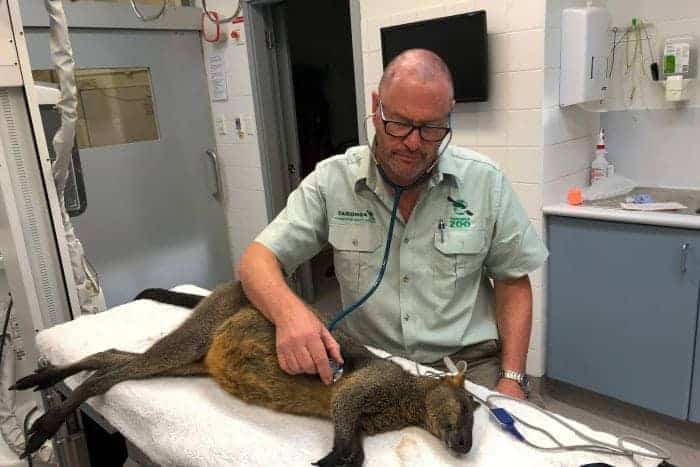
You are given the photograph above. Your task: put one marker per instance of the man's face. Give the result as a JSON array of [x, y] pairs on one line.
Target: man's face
[[404, 159]]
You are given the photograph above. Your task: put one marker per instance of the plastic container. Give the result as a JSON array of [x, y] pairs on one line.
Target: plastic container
[[600, 165]]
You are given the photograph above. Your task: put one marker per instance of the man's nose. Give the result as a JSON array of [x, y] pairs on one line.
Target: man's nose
[[412, 140]]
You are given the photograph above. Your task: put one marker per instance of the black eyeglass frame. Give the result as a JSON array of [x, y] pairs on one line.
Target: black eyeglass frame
[[408, 127]]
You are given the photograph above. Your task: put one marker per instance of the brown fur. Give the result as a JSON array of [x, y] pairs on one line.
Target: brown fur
[[230, 340]]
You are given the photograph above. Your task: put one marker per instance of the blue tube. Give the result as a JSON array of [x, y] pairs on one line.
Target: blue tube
[[398, 191]]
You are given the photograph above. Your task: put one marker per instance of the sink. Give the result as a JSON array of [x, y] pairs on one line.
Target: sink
[[689, 198]]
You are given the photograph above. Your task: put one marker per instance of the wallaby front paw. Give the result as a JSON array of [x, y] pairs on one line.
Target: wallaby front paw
[[333, 459], [42, 378]]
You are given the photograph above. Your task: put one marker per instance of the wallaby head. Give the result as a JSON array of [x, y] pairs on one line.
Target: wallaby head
[[450, 413]]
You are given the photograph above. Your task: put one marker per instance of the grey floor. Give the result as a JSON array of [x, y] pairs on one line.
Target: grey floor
[[681, 439]]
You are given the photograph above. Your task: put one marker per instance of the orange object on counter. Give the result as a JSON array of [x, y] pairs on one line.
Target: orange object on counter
[[574, 196]]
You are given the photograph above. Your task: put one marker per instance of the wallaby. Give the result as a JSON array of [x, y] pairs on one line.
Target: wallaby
[[227, 338]]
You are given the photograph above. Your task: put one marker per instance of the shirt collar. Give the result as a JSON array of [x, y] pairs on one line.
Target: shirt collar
[[367, 173]]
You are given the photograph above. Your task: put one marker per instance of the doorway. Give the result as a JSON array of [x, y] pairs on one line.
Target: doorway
[[324, 96], [314, 68]]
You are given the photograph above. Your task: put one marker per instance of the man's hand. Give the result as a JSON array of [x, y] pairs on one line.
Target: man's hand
[[304, 344], [510, 388]]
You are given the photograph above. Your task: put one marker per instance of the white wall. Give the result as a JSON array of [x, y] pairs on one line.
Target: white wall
[[244, 198], [656, 147], [508, 128], [652, 141], [568, 142]]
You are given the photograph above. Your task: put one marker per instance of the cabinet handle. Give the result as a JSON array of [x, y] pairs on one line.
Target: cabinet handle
[[684, 257]]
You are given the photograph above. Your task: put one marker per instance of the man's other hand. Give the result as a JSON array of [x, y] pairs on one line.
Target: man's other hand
[[510, 388]]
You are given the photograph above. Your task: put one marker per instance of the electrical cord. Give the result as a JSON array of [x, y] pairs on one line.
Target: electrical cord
[[507, 421], [4, 329], [145, 18], [3, 338], [214, 18], [651, 451]]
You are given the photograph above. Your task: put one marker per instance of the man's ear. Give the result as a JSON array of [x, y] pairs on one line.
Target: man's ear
[[375, 102]]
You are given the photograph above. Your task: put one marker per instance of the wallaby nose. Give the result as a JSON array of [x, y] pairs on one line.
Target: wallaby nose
[[462, 443]]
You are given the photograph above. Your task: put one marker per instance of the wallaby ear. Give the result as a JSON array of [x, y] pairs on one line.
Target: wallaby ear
[[457, 380], [457, 372]]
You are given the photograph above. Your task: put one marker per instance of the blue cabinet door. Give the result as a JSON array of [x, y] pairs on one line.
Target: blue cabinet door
[[694, 412], [622, 312]]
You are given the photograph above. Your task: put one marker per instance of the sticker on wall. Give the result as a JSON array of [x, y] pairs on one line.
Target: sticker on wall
[[216, 68]]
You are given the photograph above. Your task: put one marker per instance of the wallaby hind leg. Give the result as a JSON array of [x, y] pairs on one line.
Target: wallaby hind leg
[[191, 369], [46, 377], [183, 347], [140, 366]]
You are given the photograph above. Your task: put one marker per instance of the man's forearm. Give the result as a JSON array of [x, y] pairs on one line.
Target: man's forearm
[[514, 319], [263, 282]]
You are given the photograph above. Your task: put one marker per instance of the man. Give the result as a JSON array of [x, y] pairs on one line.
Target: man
[[459, 225]]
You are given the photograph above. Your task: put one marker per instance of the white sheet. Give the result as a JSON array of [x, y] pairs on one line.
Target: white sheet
[[192, 422]]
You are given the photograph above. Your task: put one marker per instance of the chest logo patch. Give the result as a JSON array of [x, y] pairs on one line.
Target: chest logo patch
[[354, 216], [460, 216]]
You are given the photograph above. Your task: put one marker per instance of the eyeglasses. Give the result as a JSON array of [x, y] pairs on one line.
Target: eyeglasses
[[428, 133]]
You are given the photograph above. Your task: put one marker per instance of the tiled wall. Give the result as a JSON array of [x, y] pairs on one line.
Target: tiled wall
[[241, 173], [568, 132], [649, 140], [508, 127], [652, 141]]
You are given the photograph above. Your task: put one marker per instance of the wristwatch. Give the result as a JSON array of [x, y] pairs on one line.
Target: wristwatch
[[520, 378]]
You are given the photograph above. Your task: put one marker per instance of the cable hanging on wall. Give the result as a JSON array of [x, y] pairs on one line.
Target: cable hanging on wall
[[214, 18], [145, 18]]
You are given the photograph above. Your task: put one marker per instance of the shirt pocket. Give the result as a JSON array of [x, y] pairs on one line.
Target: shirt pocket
[[456, 255], [354, 253]]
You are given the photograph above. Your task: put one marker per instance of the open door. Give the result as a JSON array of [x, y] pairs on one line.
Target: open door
[[276, 110]]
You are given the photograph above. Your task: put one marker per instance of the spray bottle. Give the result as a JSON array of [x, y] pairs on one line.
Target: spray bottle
[[600, 167]]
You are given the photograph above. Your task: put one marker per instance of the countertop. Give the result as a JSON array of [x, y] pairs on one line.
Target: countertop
[[609, 209]]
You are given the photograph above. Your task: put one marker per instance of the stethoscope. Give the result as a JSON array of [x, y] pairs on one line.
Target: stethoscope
[[398, 191]]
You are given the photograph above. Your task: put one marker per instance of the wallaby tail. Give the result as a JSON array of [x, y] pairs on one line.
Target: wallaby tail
[[169, 297]]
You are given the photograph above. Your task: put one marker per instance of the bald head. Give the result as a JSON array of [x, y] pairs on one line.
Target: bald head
[[420, 65]]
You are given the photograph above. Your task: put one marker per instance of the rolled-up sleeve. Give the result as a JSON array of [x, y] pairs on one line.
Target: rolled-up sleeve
[[301, 228], [516, 250]]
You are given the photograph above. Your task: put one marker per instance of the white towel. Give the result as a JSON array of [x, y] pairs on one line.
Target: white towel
[[192, 422]]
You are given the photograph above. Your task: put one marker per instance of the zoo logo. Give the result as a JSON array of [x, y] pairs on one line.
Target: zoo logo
[[460, 214]]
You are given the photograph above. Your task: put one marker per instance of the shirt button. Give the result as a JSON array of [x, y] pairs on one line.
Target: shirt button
[[405, 318], [354, 242], [405, 279], [405, 240]]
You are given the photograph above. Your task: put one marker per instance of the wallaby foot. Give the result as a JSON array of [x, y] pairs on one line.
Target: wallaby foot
[[42, 430], [46, 377]]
